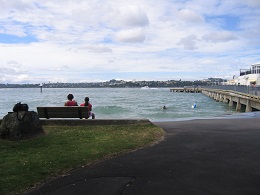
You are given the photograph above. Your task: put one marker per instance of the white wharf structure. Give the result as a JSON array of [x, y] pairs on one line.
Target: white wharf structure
[[249, 76]]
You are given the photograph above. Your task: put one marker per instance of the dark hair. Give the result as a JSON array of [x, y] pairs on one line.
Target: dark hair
[[70, 97], [86, 101]]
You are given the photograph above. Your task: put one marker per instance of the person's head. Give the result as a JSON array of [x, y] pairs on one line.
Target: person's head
[[86, 99], [70, 97]]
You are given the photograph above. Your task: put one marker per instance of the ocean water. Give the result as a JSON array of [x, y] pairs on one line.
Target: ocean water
[[121, 103]]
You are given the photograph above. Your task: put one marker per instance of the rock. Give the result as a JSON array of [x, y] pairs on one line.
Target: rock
[[20, 125]]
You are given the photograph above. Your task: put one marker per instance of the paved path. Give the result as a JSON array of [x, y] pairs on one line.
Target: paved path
[[220, 156]]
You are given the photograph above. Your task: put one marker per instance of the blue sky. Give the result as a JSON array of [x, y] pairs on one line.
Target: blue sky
[[92, 40], [9, 39]]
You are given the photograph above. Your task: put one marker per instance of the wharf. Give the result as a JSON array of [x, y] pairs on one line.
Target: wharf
[[186, 89], [249, 102], [242, 101]]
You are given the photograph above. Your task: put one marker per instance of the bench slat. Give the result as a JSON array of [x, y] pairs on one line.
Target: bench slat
[[63, 112]]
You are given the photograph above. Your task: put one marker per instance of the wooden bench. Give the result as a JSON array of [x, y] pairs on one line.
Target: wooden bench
[[63, 112]]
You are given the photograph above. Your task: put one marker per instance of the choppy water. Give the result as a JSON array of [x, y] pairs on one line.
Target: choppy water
[[122, 103]]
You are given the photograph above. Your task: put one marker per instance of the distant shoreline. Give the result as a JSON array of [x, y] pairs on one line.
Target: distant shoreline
[[113, 84]]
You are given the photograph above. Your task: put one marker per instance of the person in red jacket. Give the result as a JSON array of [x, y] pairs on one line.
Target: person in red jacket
[[70, 101], [86, 103]]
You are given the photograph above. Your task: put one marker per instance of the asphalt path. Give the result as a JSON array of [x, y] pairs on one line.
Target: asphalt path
[[209, 156]]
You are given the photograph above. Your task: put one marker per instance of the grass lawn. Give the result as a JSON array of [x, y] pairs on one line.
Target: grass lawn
[[25, 163]]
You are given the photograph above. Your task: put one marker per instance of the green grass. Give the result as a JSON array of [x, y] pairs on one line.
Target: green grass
[[23, 164]]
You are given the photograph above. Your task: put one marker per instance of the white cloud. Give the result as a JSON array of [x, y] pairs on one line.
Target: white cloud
[[13, 71], [221, 36], [131, 35], [22, 5], [190, 16], [97, 49], [129, 16], [16, 30], [208, 61], [12, 68], [189, 42], [252, 3]]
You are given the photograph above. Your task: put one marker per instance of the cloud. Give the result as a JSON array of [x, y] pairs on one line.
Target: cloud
[[10, 29], [128, 16], [252, 3], [135, 17], [189, 42], [21, 5], [190, 16], [221, 36], [130, 21], [130, 35], [13, 71], [62, 68], [11, 68], [96, 49], [208, 61]]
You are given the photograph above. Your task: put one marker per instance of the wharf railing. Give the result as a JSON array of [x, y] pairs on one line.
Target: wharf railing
[[238, 88]]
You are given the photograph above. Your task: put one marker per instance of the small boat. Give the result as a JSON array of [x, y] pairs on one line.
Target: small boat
[[145, 87]]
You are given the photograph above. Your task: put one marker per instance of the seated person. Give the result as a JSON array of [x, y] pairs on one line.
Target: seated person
[[86, 103], [70, 101]]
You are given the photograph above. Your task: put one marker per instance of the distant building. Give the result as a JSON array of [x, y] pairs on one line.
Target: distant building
[[216, 81]]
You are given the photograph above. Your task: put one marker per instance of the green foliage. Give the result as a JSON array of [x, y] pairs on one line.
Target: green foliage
[[25, 163]]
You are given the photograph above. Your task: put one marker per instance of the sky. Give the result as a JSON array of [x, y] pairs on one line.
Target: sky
[[98, 40]]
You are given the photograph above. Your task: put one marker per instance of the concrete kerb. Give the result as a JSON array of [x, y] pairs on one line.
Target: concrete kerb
[[77, 122]]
